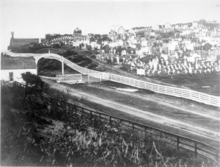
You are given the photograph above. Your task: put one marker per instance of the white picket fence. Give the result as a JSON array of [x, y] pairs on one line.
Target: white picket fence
[[52, 78], [97, 74], [168, 90], [162, 89], [69, 77]]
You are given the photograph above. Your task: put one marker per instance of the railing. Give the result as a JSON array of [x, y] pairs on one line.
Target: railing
[[194, 146], [181, 142], [69, 77], [162, 89], [168, 90], [52, 78]]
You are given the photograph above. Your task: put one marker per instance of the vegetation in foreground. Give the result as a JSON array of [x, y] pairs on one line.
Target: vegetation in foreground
[[43, 131]]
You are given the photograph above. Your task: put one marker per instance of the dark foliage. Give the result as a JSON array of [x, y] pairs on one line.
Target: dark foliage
[[84, 139]]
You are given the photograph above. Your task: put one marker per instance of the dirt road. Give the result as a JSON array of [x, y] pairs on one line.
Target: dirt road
[[146, 115], [197, 110]]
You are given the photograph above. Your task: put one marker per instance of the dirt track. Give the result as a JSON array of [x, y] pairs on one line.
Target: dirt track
[[202, 132], [204, 112]]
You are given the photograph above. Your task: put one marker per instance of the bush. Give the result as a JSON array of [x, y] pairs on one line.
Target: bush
[[83, 139]]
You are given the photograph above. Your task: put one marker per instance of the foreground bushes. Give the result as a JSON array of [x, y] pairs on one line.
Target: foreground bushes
[[51, 133]]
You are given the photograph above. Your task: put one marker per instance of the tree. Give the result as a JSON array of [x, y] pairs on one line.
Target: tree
[[166, 40], [31, 79], [207, 46], [34, 85]]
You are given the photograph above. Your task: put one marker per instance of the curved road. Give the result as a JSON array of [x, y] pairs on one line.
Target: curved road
[[146, 115]]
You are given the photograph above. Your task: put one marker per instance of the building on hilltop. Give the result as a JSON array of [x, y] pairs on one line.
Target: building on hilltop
[[77, 32], [121, 30], [77, 35], [112, 35], [51, 36], [13, 67], [18, 42], [156, 27], [167, 25]]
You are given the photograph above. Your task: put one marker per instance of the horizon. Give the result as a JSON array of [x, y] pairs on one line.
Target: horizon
[[34, 19]]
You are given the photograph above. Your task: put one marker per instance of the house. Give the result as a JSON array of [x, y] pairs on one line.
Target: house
[[13, 67], [18, 42], [167, 26], [121, 31], [156, 27], [106, 48], [177, 26], [112, 35], [51, 36], [144, 42], [195, 24]]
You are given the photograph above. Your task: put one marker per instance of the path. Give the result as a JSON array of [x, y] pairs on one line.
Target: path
[[146, 115], [202, 112]]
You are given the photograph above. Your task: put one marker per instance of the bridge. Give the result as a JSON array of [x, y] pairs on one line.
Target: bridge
[[157, 88]]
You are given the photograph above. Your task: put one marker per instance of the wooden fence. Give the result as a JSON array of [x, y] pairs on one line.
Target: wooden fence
[[162, 89], [168, 90], [180, 142], [69, 77]]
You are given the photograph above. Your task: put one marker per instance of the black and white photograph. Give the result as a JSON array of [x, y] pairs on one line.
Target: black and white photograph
[[110, 83]]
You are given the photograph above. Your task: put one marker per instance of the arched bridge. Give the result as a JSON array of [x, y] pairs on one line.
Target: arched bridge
[[162, 89], [72, 65], [48, 56]]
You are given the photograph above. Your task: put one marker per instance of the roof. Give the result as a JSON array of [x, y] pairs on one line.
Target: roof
[[8, 62], [77, 30], [121, 30], [15, 42]]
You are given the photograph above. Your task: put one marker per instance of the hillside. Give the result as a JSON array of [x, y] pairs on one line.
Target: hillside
[[207, 83], [43, 131], [211, 25]]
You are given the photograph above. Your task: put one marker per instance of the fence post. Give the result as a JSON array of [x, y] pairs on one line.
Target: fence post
[[75, 108], [196, 149], [91, 115], [82, 110], [68, 107], [145, 129], [190, 95], [178, 142]]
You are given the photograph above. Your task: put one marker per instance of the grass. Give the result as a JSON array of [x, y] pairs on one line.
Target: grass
[[196, 82], [192, 81], [151, 106], [35, 136], [84, 58], [52, 68], [144, 105]]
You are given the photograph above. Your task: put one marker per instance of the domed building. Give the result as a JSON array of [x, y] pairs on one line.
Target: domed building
[[77, 35], [77, 32]]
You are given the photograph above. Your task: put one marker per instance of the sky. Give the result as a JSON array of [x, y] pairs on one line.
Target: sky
[[35, 18]]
